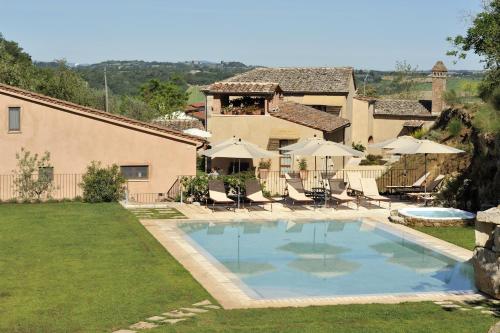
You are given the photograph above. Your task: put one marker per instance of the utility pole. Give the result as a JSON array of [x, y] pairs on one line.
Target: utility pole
[[106, 90], [364, 84]]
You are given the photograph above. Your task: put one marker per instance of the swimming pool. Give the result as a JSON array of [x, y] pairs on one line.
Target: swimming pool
[[300, 259]]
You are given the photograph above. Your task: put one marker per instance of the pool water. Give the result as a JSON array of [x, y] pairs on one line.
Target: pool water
[[282, 259], [437, 213]]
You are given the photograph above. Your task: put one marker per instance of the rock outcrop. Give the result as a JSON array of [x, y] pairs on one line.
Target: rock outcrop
[[486, 259]]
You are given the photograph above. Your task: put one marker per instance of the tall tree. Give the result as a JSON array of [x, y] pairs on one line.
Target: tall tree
[[404, 83], [164, 97], [483, 37]]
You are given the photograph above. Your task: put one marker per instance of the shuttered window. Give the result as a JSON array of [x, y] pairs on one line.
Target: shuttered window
[[14, 119], [273, 144]]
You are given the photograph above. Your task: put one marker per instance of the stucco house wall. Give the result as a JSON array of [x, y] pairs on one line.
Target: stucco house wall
[[259, 129], [74, 139], [387, 128]]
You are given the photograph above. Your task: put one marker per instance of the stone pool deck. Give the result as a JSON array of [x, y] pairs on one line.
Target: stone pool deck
[[227, 288]]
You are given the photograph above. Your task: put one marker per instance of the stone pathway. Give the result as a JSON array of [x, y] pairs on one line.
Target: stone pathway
[[487, 306], [172, 317], [157, 213]]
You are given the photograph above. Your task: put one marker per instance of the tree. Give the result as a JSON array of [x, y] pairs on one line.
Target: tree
[[483, 38], [103, 184], [16, 68], [164, 97], [403, 82], [32, 178], [133, 108]]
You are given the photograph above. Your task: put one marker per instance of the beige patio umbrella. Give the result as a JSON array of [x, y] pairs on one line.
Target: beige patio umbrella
[[395, 143], [425, 147], [237, 149], [325, 149]]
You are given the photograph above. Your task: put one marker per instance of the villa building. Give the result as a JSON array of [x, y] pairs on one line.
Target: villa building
[[274, 107], [150, 157]]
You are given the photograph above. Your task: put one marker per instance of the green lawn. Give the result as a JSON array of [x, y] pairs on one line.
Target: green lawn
[[461, 236], [195, 95], [76, 267]]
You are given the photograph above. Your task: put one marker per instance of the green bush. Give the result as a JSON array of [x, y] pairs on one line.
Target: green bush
[[454, 127], [372, 160], [103, 184], [419, 134], [358, 146]]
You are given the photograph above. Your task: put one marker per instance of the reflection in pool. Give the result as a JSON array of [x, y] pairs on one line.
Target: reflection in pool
[[326, 258]]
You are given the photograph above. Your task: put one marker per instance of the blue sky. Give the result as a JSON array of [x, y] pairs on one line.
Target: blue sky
[[361, 33]]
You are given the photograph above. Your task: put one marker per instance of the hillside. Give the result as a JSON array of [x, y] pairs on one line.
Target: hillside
[[125, 77]]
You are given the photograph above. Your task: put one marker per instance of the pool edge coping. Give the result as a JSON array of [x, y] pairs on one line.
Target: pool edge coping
[[230, 294]]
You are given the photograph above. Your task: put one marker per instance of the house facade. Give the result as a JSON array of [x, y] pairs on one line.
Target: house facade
[[150, 157], [264, 114], [284, 105]]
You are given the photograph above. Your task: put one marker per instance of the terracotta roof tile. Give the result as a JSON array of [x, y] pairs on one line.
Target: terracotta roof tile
[[308, 116], [399, 107], [439, 67], [301, 80], [111, 116]]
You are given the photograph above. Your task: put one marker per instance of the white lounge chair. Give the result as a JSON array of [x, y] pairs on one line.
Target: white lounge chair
[[354, 179], [254, 193], [296, 191], [338, 192], [217, 194], [370, 191]]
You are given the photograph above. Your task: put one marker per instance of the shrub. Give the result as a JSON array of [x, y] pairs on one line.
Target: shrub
[[454, 127], [358, 146], [31, 179], [265, 164], [302, 164], [420, 133], [372, 160], [103, 184]]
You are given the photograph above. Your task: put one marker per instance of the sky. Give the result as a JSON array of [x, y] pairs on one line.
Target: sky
[[365, 34]]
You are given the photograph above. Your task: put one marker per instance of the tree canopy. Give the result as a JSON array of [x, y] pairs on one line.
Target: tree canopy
[[164, 97]]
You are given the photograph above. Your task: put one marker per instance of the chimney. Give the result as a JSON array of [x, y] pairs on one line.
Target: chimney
[[438, 87]]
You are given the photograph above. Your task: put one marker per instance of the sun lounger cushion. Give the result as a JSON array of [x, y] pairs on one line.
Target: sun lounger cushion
[[296, 190], [338, 190], [217, 193], [254, 191], [370, 190], [354, 179]]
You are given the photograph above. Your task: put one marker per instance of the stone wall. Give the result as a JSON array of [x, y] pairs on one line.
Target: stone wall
[[486, 258]]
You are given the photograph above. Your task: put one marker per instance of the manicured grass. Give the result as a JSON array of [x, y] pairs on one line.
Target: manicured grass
[[195, 95], [157, 213], [461, 236], [77, 267]]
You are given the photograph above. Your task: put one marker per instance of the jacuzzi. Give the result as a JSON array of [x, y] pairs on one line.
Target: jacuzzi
[[436, 216]]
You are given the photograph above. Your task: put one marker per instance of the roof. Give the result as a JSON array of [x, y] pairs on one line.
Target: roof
[[439, 67], [301, 80], [97, 114], [413, 123], [243, 87], [308, 116], [198, 105], [400, 107]]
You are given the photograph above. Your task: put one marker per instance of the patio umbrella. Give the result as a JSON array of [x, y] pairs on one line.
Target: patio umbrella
[[237, 149], [425, 147], [301, 144], [395, 143], [325, 149]]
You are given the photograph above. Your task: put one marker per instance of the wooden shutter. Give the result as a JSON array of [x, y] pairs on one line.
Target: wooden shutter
[[273, 144]]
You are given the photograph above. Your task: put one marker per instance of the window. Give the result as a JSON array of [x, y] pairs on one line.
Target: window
[[14, 119], [135, 171], [285, 160], [46, 172]]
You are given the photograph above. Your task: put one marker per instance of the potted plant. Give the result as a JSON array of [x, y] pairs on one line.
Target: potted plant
[[303, 168], [264, 166]]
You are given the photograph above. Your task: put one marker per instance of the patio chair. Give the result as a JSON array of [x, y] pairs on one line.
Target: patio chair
[[254, 193], [408, 188], [296, 191], [431, 190], [354, 179], [370, 191], [217, 194], [338, 192]]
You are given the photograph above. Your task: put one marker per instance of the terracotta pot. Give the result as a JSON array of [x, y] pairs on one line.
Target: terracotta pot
[[303, 174]]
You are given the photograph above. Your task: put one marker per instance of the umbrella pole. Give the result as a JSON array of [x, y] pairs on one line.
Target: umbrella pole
[[239, 187], [326, 173], [425, 181]]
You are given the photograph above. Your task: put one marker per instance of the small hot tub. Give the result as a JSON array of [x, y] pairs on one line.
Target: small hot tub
[[436, 216]]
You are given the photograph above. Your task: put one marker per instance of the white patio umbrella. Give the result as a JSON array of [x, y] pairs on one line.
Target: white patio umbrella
[[302, 144], [425, 147], [237, 149], [325, 149], [395, 143]]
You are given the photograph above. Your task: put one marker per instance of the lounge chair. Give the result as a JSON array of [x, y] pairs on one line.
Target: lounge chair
[[254, 193], [354, 179], [338, 192], [431, 190], [217, 194], [296, 191], [370, 191], [418, 184]]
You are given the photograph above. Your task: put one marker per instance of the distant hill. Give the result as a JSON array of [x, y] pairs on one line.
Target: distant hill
[[125, 77]]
